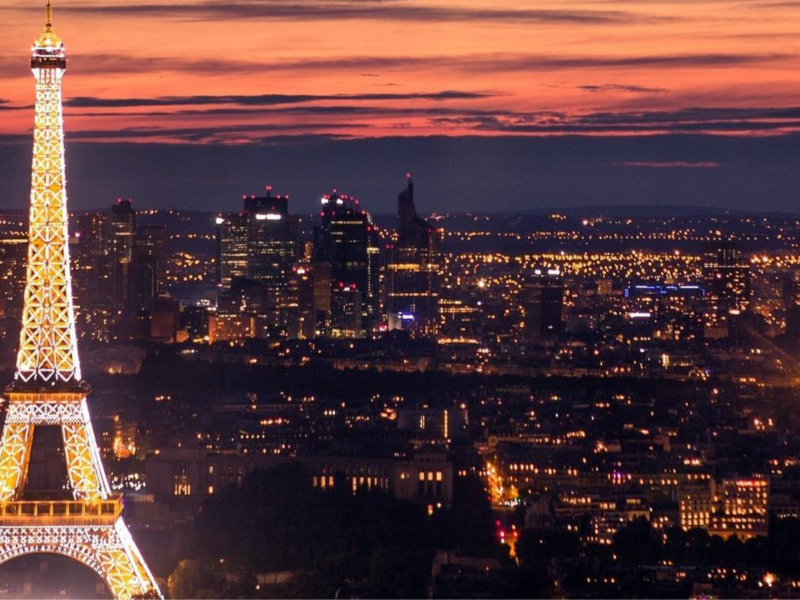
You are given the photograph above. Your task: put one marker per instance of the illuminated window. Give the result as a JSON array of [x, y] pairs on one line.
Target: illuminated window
[[182, 485]]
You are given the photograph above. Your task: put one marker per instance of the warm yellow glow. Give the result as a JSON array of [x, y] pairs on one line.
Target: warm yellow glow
[[48, 350], [90, 528]]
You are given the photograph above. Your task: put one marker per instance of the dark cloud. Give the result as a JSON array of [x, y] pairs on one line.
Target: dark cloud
[[690, 120], [614, 87], [212, 134], [261, 99], [457, 119], [4, 105], [97, 64], [389, 10], [680, 164], [493, 62], [301, 110]]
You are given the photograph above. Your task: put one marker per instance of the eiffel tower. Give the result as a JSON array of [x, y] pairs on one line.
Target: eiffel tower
[[48, 389]]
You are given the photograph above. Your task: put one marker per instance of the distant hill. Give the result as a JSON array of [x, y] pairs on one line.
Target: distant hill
[[640, 211]]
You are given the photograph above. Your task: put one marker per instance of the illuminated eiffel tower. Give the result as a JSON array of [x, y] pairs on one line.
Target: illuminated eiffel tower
[[48, 389]]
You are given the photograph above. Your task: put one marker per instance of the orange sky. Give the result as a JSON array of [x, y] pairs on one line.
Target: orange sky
[[153, 70]]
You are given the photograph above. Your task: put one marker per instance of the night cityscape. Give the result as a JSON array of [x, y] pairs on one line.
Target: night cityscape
[[324, 389]]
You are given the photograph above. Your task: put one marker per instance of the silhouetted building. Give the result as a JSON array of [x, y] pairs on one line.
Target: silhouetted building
[[727, 283], [149, 267], [347, 240], [92, 272], [122, 238], [191, 474], [231, 249], [271, 240], [165, 320], [542, 304], [346, 313], [260, 246], [322, 294], [412, 269], [300, 307], [195, 322]]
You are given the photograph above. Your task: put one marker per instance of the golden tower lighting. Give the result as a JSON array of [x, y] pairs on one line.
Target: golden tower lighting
[[48, 388]]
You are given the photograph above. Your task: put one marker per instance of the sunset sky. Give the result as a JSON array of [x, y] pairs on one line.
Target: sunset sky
[[615, 102]]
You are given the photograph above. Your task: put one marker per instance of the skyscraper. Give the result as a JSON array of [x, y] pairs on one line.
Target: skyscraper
[[347, 240], [122, 239], [542, 303], [149, 266], [231, 249], [271, 240], [727, 282], [93, 276], [412, 268], [300, 306], [256, 250]]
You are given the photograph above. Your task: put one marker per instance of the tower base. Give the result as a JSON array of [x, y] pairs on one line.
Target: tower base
[[92, 534]]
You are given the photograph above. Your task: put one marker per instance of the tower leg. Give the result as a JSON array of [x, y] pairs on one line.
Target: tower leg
[[14, 457], [84, 466]]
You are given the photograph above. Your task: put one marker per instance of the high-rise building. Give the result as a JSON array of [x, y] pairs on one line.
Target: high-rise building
[[542, 299], [271, 240], [148, 272], [347, 240], [122, 240], [322, 294], [93, 275], [258, 246], [727, 282], [412, 268], [231, 249], [300, 306]]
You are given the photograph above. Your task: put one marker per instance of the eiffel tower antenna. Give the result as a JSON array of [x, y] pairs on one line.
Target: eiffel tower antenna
[[48, 388]]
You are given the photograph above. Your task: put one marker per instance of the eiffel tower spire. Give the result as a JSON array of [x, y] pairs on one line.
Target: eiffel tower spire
[[48, 352], [48, 388]]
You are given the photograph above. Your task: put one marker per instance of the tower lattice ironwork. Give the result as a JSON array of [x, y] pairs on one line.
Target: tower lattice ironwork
[[48, 389]]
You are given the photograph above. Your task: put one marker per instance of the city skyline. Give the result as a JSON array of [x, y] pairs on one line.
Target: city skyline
[[578, 103], [394, 396]]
